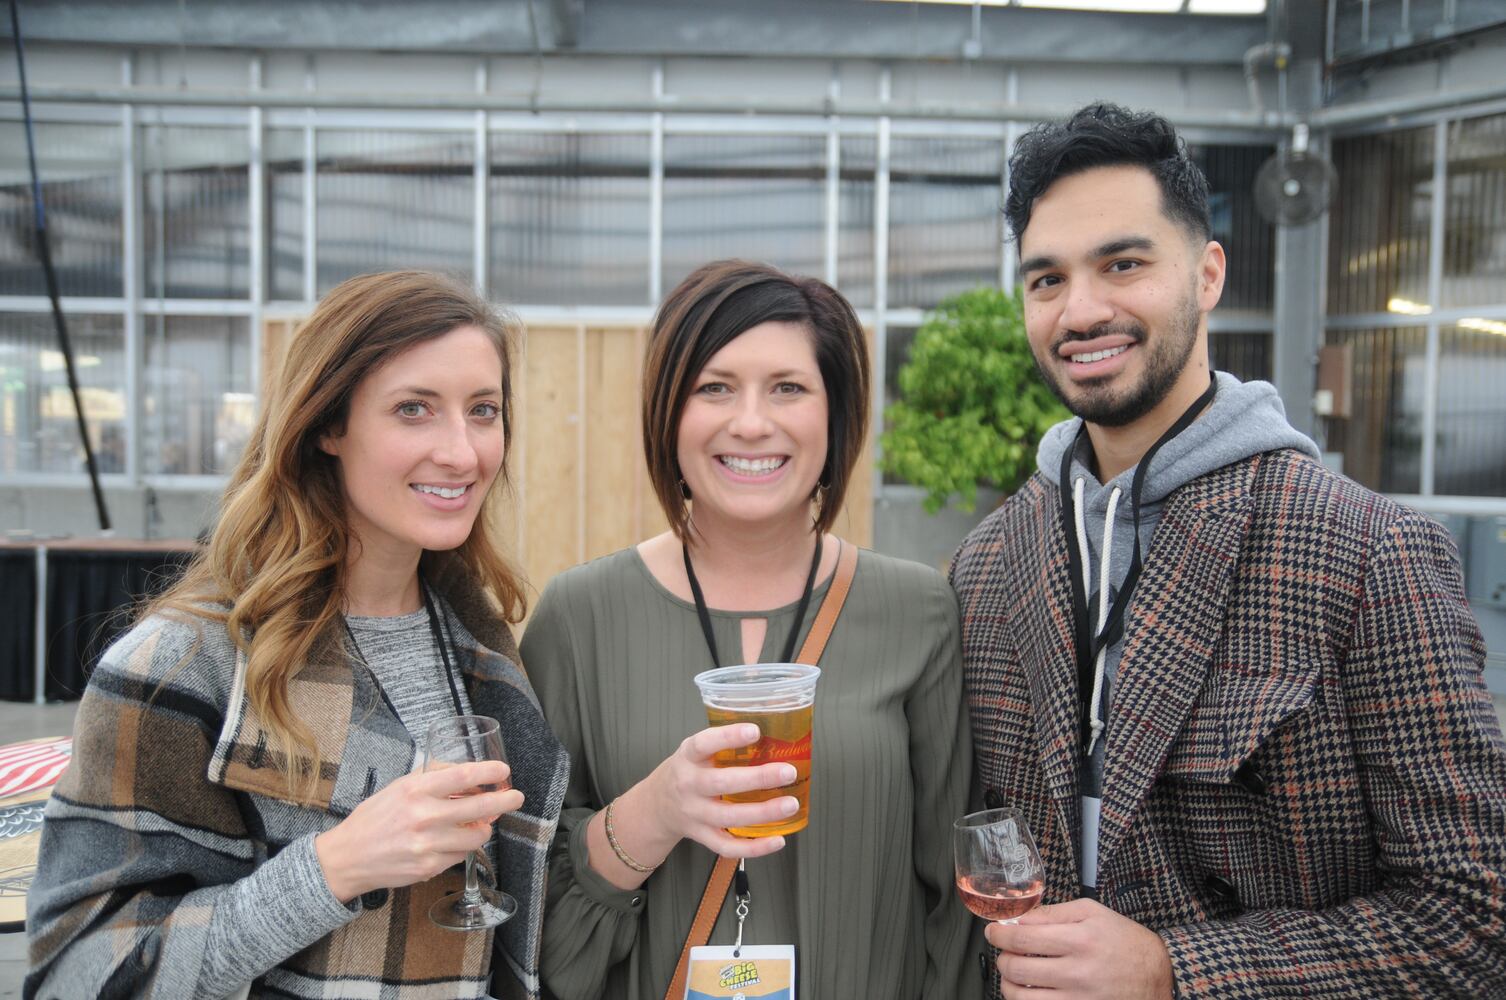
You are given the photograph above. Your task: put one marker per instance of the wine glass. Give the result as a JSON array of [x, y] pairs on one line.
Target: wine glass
[[999, 871], [464, 739]]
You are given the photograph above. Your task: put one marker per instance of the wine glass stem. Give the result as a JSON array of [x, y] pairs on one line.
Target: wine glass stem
[[472, 890]]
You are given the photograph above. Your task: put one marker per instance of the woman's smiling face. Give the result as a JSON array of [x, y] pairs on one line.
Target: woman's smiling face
[[422, 444], [753, 435]]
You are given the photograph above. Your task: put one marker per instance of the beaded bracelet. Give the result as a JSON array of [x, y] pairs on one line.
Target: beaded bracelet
[[622, 855]]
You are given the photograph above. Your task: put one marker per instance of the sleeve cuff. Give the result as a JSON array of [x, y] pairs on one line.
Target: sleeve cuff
[[303, 890], [597, 889]]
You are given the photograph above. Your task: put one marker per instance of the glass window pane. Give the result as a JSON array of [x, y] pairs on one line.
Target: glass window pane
[[1378, 226], [194, 197], [899, 341], [198, 406], [79, 166], [569, 219], [394, 200], [754, 196], [38, 428], [855, 219], [1248, 239], [1474, 247], [283, 149], [1381, 439], [1246, 356], [1471, 454], [946, 228]]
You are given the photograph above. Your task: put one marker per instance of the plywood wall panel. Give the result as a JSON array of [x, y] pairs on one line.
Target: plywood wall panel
[[614, 451], [551, 481]]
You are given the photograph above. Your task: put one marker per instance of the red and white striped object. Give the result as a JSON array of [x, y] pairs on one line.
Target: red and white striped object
[[32, 765]]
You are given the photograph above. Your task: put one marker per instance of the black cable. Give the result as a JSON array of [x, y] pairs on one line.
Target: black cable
[[52, 278]]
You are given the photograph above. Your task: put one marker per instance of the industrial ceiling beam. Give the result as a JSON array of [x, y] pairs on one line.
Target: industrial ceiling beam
[[827, 29], [847, 108]]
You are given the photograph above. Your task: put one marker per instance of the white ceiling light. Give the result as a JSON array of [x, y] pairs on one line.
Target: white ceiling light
[[1126, 6], [1483, 326], [1227, 6], [1407, 307], [1133, 6]]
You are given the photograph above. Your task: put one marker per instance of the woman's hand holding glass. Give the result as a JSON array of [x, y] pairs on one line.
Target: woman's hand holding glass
[[414, 828], [682, 798]]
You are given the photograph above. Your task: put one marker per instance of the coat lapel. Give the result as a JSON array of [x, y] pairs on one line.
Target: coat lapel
[[249, 759], [1047, 652], [1174, 624]]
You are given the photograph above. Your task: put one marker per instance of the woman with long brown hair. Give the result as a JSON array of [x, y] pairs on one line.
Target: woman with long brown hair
[[246, 813], [755, 411]]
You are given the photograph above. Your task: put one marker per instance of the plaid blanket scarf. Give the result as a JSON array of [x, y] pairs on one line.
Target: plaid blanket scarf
[[173, 864]]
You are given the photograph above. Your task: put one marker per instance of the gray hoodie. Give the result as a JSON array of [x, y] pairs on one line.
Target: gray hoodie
[[1244, 419]]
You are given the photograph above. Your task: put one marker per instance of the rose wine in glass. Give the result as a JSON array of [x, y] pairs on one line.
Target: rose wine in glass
[[999, 871], [462, 740]]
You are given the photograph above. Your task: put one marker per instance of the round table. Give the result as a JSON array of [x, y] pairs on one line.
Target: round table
[[28, 770]]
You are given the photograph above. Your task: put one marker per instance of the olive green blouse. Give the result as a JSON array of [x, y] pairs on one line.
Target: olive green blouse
[[865, 892]]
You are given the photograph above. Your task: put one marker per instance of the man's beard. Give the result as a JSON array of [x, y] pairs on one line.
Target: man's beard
[[1165, 360]]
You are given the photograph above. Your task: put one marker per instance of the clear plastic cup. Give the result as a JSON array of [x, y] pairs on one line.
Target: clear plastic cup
[[779, 698]]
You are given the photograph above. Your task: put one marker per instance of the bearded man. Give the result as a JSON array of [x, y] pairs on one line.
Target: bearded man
[[1238, 698]]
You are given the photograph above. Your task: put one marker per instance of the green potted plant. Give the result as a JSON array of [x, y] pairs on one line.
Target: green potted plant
[[972, 406]]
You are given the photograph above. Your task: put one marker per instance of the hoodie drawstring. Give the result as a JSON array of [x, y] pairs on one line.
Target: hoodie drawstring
[[1095, 709]]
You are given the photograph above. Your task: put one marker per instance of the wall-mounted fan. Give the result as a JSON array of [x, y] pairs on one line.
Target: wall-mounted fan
[[1294, 187]]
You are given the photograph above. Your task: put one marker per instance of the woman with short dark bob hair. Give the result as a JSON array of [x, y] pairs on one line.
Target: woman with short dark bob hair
[[247, 813], [755, 411]]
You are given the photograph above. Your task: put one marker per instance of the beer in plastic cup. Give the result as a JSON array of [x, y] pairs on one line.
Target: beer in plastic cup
[[778, 698]]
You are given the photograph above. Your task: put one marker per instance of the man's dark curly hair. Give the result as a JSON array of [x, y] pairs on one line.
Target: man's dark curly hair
[[1107, 135]]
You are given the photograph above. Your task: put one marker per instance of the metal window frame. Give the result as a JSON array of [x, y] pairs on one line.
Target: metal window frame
[[483, 121], [1438, 316]]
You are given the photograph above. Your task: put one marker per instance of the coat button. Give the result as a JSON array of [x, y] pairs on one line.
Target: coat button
[[375, 899], [993, 799], [1221, 887], [1250, 779]]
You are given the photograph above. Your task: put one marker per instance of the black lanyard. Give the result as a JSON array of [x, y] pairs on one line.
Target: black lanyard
[[705, 616], [1088, 644], [439, 642]]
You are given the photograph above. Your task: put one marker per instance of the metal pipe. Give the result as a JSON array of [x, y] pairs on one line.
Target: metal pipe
[[1438, 209], [881, 150], [666, 104], [1359, 114], [1323, 118], [39, 648], [1275, 53]]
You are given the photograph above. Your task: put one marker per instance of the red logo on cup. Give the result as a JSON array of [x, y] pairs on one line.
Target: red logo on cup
[[770, 749]]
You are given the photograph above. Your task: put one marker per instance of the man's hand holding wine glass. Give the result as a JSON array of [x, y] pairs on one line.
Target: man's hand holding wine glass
[[1080, 950]]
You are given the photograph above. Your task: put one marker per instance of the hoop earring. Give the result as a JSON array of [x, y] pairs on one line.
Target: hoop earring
[[818, 495], [684, 489]]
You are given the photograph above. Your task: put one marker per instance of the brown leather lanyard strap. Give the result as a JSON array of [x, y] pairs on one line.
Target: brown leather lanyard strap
[[721, 875]]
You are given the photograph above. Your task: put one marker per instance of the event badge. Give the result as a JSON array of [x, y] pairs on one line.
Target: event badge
[[741, 972], [752, 972]]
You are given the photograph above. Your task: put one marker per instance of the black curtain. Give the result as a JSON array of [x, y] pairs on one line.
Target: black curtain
[[18, 623], [92, 597]]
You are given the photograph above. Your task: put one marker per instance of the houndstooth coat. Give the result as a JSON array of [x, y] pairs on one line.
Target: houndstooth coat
[[1305, 781]]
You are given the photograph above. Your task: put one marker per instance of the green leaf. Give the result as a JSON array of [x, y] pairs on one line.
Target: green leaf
[[972, 406]]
